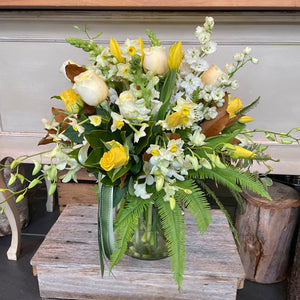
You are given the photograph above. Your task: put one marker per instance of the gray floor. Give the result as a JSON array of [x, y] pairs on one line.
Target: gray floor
[[18, 283]]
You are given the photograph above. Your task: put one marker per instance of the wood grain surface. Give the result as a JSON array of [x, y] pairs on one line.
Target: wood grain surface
[[67, 264], [153, 4]]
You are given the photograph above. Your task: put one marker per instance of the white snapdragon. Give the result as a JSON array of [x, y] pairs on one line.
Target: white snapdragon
[[254, 60], [234, 85], [201, 66], [209, 47], [229, 68], [210, 113], [191, 83], [209, 23], [217, 94], [238, 57], [192, 55], [247, 50]]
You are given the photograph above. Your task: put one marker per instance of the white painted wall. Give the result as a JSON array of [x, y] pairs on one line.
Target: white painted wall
[[32, 48]]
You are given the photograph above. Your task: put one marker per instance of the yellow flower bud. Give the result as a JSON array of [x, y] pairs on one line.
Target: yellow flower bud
[[141, 47], [241, 152], [174, 119], [115, 50], [115, 158], [175, 56], [72, 101], [245, 119]]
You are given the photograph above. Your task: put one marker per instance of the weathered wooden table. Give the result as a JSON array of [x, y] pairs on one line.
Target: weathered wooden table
[[67, 264]]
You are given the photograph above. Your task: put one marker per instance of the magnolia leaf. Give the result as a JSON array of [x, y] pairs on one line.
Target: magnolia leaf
[[115, 174], [59, 114], [96, 138], [215, 126], [94, 157], [73, 70], [73, 135]]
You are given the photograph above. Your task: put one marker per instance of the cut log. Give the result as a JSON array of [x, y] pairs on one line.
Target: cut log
[[294, 278], [265, 230]]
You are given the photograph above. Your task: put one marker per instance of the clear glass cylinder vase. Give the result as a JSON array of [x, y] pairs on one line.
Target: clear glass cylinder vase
[[148, 241]]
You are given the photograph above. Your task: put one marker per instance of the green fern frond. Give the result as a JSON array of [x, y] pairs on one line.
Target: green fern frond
[[221, 176], [125, 224], [234, 179], [173, 224], [223, 209], [196, 204]]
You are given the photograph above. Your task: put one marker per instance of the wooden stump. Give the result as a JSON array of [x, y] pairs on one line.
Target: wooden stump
[[294, 278], [265, 232]]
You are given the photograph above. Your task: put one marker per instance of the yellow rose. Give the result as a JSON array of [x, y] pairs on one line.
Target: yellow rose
[[211, 75], [155, 60], [72, 101], [115, 158], [91, 87]]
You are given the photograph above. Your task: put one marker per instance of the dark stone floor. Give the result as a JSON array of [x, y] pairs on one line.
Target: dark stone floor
[[18, 283]]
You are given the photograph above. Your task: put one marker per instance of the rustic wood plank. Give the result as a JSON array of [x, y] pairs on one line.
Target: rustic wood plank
[[152, 4], [67, 263]]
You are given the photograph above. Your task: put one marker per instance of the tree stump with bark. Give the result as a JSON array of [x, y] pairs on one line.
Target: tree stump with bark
[[265, 231]]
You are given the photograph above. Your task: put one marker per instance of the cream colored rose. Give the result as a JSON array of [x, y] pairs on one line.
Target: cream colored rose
[[155, 60], [91, 87], [211, 75]]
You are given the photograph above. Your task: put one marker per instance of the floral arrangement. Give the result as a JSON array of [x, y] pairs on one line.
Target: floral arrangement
[[153, 128]]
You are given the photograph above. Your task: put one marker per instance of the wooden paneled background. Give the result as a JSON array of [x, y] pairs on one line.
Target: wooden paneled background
[[33, 47]]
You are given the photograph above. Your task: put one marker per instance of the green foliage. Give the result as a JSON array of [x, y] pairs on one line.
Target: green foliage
[[105, 222], [248, 107], [153, 38], [174, 228], [234, 179], [196, 203], [166, 94], [221, 206], [125, 223]]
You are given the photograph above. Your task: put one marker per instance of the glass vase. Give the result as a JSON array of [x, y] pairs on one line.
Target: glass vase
[[148, 241]]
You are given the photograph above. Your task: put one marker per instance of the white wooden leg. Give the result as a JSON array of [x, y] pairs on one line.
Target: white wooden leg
[[50, 201], [13, 217]]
